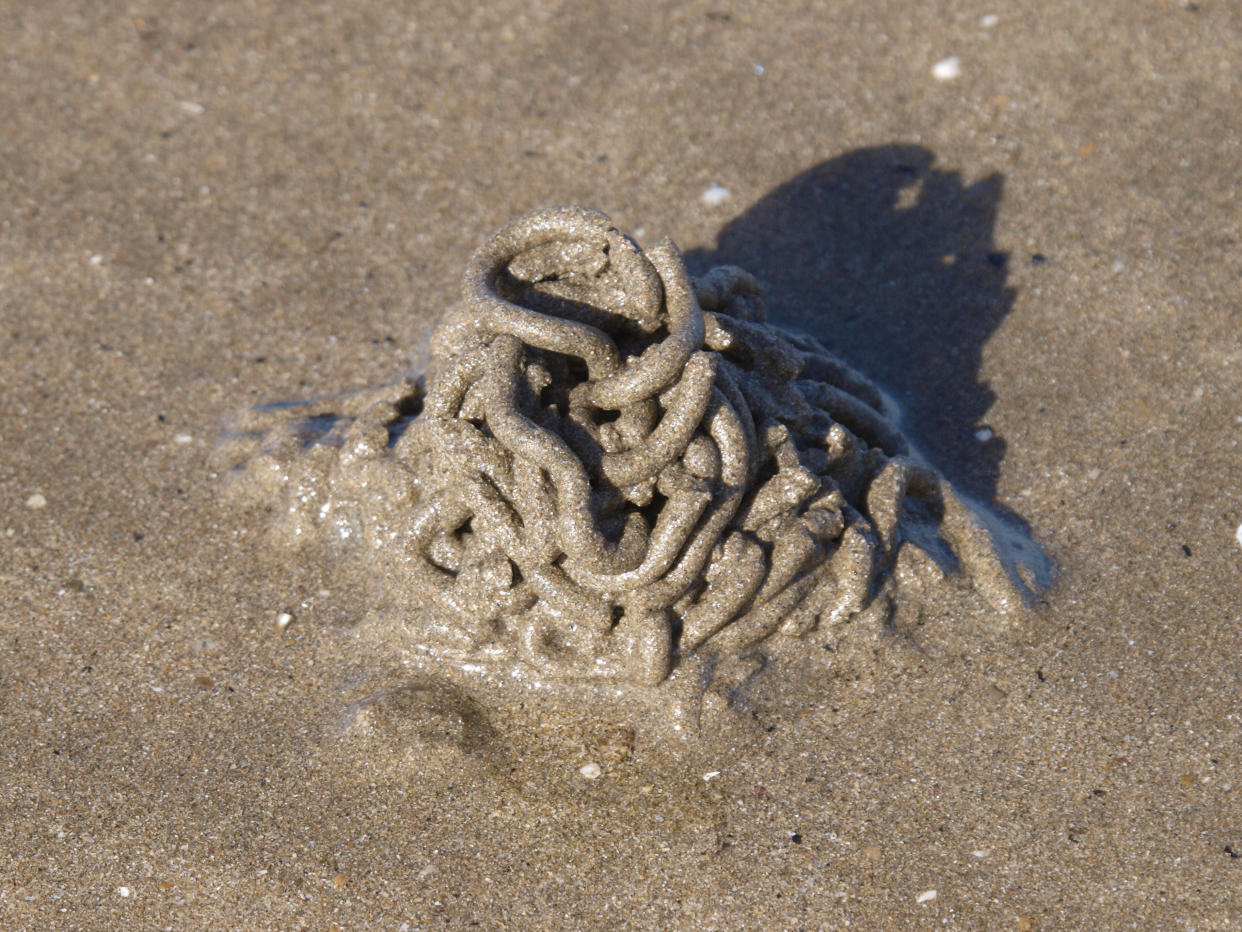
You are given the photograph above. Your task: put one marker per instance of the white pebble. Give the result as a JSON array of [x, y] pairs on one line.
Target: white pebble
[[96, 259], [925, 897], [947, 69], [984, 434], [36, 501], [710, 775], [123, 891], [283, 620], [715, 194], [1239, 535], [183, 438], [591, 771], [192, 108], [758, 69], [988, 20]]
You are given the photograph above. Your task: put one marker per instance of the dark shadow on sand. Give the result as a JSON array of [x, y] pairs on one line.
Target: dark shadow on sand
[[890, 263]]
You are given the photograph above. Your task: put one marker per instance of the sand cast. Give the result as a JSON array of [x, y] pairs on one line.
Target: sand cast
[[611, 467]]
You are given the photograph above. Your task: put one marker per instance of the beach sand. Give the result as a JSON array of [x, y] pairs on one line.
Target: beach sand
[[1033, 248]]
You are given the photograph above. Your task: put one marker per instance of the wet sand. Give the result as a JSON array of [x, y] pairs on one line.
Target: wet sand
[[1035, 253]]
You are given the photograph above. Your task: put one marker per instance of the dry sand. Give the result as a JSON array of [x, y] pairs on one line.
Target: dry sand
[[1036, 251]]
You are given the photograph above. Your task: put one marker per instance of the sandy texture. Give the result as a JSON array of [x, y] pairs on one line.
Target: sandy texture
[[1035, 252]]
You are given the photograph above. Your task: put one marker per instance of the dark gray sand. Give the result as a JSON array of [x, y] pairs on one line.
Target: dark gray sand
[[1033, 250]]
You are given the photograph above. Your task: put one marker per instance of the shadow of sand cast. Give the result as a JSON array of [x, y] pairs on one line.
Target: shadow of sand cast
[[890, 262]]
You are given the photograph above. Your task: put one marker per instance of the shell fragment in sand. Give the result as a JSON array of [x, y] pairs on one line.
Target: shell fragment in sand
[[591, 771]]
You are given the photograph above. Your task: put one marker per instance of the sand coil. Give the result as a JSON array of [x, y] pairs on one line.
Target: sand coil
[[615, 466]]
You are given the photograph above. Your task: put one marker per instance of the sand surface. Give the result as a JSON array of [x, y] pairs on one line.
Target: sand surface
[[1036, 251]]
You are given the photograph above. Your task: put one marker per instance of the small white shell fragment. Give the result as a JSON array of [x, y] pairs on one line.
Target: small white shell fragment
[[710, 775], [123, 891], [96, 259], [988, 20], [715, 195], [1238, 535], [925, 897], [36, 501], [183, 438], [947, 69], [192, 108], [591, 771], [283, 620]]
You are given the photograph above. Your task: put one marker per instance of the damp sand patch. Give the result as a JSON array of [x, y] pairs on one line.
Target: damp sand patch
[[614, 472]]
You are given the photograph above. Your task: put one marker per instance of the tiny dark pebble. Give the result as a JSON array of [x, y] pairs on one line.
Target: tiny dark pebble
[[1040, 674], [1185, 550], [138, 535], [1229, 851], [796, 838], [1038, 258], [998, 259]]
